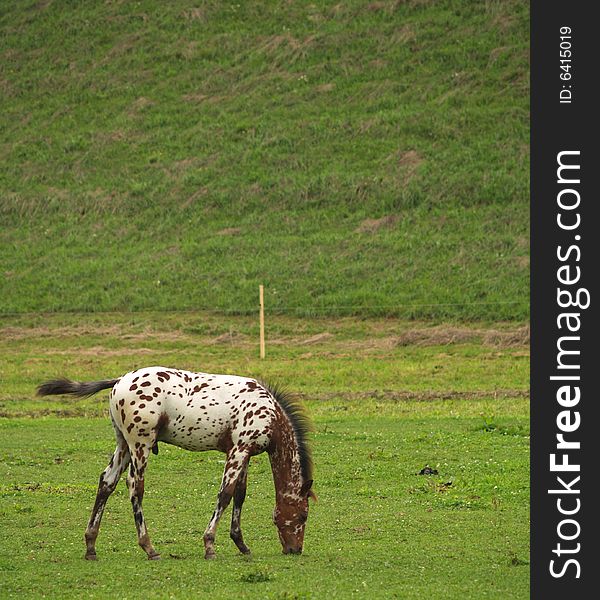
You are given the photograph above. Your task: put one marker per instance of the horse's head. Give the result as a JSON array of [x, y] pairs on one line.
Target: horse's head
[[290, 517]]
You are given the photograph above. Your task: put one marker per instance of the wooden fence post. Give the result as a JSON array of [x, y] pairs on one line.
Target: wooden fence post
[[261, 295]]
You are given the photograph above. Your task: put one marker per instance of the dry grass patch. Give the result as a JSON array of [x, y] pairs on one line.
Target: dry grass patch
[[374, 225], [230, 231], [444, 335], [420, 396]]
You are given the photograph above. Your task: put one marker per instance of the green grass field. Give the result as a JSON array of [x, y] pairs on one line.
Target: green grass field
[[388, 397], [363, 158], [368, 162]]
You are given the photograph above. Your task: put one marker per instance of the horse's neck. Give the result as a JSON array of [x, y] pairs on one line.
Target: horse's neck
[[285, 460]]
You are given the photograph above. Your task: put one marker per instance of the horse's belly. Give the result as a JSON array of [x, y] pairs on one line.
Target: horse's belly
[[191, 438], [196, 429]]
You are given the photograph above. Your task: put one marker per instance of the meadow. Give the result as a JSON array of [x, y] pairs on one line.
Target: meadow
[[368, 162], [388, 398]]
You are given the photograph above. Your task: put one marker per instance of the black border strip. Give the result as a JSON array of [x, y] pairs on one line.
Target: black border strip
[[557, 127]]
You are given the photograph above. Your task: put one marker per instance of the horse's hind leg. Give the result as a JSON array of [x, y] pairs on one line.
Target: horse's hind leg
[[135, 482], [239, 495], [108, 482], [236, 463]]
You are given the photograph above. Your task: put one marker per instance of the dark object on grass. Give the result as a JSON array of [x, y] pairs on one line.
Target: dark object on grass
[[427, 470]]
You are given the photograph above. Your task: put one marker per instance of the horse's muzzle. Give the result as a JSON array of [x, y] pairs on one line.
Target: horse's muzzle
[[292, 550]]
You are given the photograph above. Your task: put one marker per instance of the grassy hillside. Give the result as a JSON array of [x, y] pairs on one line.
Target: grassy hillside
[[357, 158]]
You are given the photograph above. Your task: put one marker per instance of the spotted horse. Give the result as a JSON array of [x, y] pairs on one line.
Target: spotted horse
[[199, 411]]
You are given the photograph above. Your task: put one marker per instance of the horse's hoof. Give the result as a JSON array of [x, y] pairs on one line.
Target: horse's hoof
[[154, 557], [210, 556], [91, 557]]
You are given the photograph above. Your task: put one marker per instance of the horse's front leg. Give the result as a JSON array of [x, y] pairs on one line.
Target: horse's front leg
[[239, 495], [235, 464]]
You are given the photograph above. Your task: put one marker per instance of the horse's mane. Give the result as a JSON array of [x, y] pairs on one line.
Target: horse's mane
[[301, 424]]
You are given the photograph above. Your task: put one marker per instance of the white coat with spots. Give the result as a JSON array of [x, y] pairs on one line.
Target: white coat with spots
[[200, 411]]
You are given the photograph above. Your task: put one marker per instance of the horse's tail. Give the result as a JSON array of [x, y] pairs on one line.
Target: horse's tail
[[75, 388]]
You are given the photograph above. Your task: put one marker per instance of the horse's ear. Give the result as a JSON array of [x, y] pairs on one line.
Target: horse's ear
[[312, 495], [305, 489]]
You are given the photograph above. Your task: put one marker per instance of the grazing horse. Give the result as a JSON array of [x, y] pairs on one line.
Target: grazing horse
[[199, 411]]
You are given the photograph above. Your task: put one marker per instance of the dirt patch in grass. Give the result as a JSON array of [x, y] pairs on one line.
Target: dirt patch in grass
[[374, 225], [298, 46], [191, 199], [200, 97], [43, 488], [316, 339], [22, 333], [231, 337], [325, 87], [421, 396], [101, 351], [406, 163], [120, 331], [503, 22], [404, 34], [54, 412], [519, 337], [444, 335], [230, 231], [409, 159], [195, 14], [384, 337], [140, 104], [522, 261], [441, 336]]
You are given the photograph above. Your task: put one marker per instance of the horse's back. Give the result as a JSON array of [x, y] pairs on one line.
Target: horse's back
[[196, 411]]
